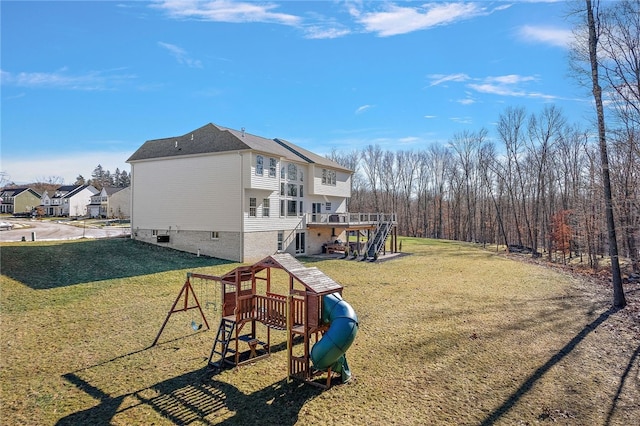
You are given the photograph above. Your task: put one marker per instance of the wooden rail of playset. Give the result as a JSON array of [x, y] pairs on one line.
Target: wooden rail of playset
[[271, 310]]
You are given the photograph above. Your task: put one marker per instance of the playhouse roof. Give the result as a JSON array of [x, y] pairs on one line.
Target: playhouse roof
[[312, 278]]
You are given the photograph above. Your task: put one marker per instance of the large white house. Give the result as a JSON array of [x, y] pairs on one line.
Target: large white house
[[68, 200], [229, 194]]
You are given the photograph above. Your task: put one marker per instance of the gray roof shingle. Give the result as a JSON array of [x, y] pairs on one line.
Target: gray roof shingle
[[212, 139]]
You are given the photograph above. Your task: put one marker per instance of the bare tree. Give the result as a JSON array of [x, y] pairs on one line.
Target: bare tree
[[372, 165], [619, 55], [593, 26], [543, 131]]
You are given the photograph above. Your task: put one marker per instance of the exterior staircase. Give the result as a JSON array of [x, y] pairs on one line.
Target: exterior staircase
[[376, 242]]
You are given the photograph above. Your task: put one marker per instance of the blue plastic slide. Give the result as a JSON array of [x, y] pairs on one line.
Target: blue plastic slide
[[343, 327]]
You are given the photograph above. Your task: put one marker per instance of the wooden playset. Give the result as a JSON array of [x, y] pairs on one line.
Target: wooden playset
[[312, 308]]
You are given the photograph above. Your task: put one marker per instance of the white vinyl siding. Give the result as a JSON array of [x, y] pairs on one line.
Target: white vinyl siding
[[189, 193], [342, 187], [258, 172]]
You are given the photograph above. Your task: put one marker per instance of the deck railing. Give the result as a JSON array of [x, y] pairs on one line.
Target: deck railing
[[270, 310], [349, 218]]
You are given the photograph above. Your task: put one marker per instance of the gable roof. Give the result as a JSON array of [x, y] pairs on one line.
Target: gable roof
[[68, 191], [14, 192], [214, 139], [312, 278]]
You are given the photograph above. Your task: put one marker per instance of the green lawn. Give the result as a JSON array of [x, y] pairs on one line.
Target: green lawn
[[449, 334]]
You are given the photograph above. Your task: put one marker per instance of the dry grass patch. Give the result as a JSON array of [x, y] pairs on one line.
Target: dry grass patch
[[450, 334]]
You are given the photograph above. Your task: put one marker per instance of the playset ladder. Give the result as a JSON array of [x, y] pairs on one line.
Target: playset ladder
[[221, 344]]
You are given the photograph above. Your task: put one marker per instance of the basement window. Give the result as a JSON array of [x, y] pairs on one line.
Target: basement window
[[215, 235]]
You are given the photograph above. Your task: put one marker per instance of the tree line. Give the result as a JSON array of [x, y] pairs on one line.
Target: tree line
[[101, 178], [535, 183]]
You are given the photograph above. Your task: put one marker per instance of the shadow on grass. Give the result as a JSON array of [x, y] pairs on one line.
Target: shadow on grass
[[198, 397], [623, 379], [60, 264], [541, 371]]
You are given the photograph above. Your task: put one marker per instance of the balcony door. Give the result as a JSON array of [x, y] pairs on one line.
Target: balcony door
[[316, 209]]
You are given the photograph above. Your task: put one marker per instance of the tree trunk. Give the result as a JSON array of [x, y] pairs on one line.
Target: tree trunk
[[619, 300]]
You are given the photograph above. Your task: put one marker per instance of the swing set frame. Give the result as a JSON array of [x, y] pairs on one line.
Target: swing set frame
[[186, 293]]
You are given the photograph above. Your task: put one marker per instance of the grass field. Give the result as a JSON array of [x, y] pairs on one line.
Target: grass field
[[449, 334]]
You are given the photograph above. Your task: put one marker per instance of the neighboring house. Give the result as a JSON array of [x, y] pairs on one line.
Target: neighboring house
[[232, 195], [18, 200], [110, 202], [68, 200]]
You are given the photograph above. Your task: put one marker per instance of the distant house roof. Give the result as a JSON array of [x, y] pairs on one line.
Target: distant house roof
[[110, 190], [214, 139], [14, 192], [67, 191]]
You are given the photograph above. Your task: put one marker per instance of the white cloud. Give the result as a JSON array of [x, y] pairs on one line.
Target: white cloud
[[181, 55], [227, 11], [63, 79], [466, 101], [461, 120], [502, 85], [496, 89], [394, 20], [508, 85], [430, 116], [559, 37], [363, 108], [318, 32], [67, 166], [510, 79], [437, 79], [409, 140]]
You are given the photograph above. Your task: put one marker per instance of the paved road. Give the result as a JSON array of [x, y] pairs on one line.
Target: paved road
[[53, 230]]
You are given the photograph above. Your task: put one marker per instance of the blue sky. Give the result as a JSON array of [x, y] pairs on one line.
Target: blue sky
[[86, 83]]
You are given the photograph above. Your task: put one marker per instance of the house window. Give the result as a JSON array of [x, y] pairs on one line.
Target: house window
[[280, 239], [327, 207], [292, 171], [301, 209], [301, 176], [283, 173], [282, 188], [265, 207], [215, 235], [301, 190], [252, 207], [259, 165], [292, 190], [273, 163], [282, 208], [328, 177], [292, 208]]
